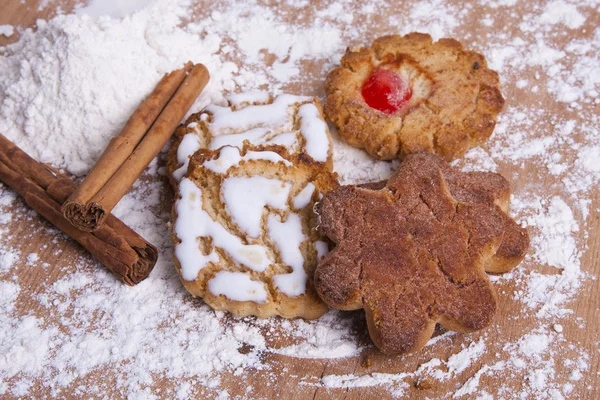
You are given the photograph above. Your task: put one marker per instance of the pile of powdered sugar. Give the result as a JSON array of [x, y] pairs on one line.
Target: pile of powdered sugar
[[68, 87]]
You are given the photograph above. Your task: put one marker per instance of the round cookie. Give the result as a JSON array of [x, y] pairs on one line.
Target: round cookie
[[424, 97], [247, 175], [244, 231]]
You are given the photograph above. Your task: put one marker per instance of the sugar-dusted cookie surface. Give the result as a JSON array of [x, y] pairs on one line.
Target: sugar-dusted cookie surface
[[407, 94], [244, 230], [257, 119], [414, 251]]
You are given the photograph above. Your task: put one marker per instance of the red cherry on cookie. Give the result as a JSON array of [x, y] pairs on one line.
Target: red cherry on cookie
[[386, 91]]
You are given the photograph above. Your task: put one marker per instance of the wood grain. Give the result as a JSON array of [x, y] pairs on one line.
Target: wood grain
[[298, 378]]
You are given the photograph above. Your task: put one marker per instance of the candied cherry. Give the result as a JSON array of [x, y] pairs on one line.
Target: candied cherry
[[386, 91]]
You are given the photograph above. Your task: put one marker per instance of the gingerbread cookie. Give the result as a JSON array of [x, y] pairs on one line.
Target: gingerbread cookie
[[256, 119], [406, 94], [414, 251], [244, 231]]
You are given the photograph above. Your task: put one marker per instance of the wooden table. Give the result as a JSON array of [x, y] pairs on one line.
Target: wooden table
[[300, 378]]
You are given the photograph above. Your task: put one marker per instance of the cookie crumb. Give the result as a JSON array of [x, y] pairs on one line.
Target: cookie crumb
[[423, 384], [245, 348], [557, 328], [367, 362]]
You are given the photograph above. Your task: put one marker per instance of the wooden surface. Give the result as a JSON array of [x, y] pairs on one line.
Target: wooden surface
[[300, 377]]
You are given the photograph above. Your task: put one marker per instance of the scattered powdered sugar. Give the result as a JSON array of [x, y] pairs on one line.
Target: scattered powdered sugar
[[345, 158], [69, 86], [111, 8], [435, 17], [326, 338], [556, 246], [478, 159], [531, 357], [395, 382], [471, 386], [7, 30], [561, 12], [8, 259], [457, 363], [9, 291]]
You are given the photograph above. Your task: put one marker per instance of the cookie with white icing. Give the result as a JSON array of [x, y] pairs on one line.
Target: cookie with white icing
[[254, 119], [244, 230]]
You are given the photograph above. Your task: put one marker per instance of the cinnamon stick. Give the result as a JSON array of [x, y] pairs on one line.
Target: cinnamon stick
[[115, 245], [122, 162], [121, 146]]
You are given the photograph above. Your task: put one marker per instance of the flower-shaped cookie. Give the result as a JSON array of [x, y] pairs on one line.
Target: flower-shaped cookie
[[414, 251], [406, 94]]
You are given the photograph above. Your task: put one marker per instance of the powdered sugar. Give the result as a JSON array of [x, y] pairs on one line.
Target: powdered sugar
[[556, 247], [9, 291], [561, 12], [47, 86], [111, 8], [327, 338], [435, 369], [70, 331], [7, 30], [395, 382]]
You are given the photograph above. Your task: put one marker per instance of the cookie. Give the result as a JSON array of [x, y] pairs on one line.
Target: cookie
[[407, 94], [247, 176], [414, 251], [257, 119], [244, 231]]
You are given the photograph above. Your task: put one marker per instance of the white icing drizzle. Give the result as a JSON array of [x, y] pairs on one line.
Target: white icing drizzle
[[237, 286], [288, 237], [322, 249], [230, 157], [187, 147], [254, 136], [198, 223], [314, 130], [274, 115], [259, 124], [245, 199], [302, 199], [288, 140]]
